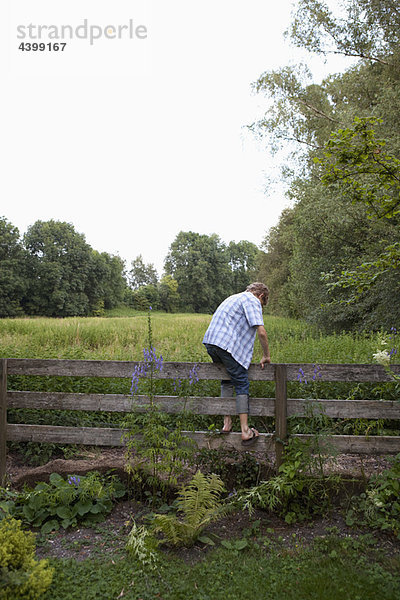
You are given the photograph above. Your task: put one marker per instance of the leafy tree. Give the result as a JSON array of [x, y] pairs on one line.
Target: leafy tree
[[199, 264], [58, 267], [106, 283], [142, 274], [274, 264], [243, 262], [12, 267], [365, 29], [144, 297], [357, 161], [342, 170], [169, 295]]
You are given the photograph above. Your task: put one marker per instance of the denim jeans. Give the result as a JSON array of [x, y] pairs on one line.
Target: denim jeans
[[239, 378]]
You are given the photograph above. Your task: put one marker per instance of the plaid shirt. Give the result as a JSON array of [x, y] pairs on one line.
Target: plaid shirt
[[233, 326]]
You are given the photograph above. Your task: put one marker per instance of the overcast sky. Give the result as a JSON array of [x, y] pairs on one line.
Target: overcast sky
[[135, 139]]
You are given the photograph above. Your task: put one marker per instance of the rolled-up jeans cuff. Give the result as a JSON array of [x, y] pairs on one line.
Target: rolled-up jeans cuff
[[242, 404], [226, 389]]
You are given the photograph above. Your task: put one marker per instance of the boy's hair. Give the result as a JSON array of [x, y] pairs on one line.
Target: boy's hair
[[258, 289]]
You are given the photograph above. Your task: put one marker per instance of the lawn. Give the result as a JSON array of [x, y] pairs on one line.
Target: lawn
[[329, 568]]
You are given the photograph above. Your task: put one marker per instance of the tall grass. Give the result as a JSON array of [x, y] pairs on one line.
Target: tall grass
[[178, 337]]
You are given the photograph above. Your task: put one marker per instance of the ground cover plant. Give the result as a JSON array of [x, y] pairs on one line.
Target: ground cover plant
[[354, 568], [63, 502]]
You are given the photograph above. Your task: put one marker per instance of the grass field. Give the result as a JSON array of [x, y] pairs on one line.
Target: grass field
[[177, 337]]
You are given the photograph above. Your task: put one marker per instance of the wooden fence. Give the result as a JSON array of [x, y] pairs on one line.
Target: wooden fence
[[281, 407]]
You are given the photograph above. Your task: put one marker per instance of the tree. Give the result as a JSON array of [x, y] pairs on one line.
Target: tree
[[145, 297], [365, 29], [199, 264], [341, 170], [169, 295], [106, 283], [58, 267], [243, 262], [142, 274], [12, 269], [356, 164]]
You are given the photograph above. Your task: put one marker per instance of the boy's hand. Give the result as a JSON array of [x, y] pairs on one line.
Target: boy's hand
[[265, 360]]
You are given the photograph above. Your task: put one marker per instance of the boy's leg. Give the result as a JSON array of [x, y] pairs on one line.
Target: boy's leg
[[240, 380], [227, 392]]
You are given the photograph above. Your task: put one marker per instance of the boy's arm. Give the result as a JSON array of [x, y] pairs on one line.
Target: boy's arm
[[262, 336]]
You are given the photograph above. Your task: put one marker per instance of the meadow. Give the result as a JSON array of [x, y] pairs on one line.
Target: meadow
[[177, 337]]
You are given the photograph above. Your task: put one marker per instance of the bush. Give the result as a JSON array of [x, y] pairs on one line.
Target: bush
[[85, 500], [21, 576], [379, 506]]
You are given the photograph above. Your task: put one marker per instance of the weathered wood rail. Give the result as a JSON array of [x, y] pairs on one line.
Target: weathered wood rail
[[281, 407]]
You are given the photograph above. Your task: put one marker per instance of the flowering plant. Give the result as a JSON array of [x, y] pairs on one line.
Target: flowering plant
[[156, 453], [383, 356]]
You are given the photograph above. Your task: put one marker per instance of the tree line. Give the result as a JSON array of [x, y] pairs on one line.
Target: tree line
[[334, 256], [52, 271]]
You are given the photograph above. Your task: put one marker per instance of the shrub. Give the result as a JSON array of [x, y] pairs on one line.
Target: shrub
[[84, 500], [21, 576], [379, 506]]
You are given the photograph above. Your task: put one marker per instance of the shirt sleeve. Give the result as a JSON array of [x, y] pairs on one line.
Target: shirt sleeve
[[253, 312]]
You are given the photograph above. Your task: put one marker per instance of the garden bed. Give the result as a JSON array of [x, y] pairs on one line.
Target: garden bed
[[110, 536]]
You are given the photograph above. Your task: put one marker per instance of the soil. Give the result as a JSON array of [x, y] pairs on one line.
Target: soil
[[109, 537]]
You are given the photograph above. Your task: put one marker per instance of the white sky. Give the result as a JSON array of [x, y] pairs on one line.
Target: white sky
[[133, 140]]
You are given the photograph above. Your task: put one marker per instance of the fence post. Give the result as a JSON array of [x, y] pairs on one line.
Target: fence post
[[280, 412], [3, 419]]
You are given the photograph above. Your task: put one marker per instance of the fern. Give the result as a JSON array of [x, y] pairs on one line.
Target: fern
[[199, 503]]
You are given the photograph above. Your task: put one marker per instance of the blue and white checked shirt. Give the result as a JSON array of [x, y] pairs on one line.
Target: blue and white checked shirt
[[233, 326]]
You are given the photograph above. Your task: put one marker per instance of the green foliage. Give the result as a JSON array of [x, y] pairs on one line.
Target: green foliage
[[142, 274], [156, 454], [348, 124], [243, 262], [354, 568], [64, 502], [300, 491], [143, 546], [366, 29], [379, 506], [54, 272], [199, 503], [207, 271], [21, 576], [58, 263], [169, 295], [357, 159], [236, 469], [197, 262], [12, 280]]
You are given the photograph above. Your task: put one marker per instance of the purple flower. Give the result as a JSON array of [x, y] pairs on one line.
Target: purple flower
[[301, 376], [141, 370], [193, 374], [72, 480], [177, 384]]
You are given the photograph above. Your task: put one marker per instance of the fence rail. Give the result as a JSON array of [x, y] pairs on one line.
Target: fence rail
[[281, 407]]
